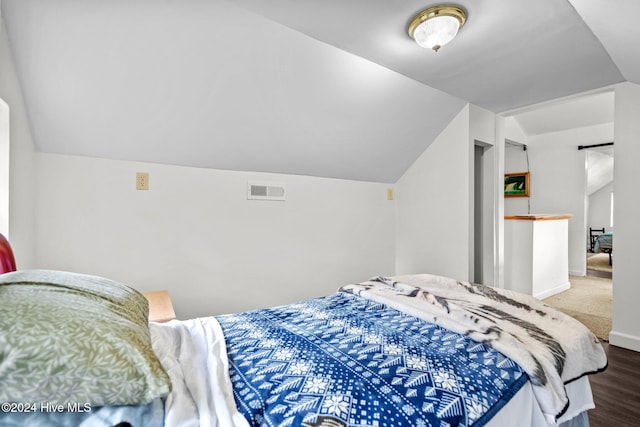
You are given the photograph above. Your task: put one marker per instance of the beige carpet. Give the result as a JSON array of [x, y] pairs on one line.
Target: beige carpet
[[589, 301], [599, 262]]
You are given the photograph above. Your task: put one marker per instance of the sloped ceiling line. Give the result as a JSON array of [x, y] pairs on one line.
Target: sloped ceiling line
[[262, 86]]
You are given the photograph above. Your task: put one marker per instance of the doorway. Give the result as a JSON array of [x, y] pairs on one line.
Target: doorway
[[600, 207], [478, 196]]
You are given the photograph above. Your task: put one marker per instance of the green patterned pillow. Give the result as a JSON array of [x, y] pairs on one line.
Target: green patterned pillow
[[73, 338]]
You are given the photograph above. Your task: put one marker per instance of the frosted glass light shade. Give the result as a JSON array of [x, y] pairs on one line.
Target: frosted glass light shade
[[436, 26], [436, 32]]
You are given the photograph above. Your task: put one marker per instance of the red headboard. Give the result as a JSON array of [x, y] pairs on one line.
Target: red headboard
[[7, 261]]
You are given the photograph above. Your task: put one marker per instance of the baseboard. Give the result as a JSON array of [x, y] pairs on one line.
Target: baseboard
[[580, 273], [630, 342], [551, 292]]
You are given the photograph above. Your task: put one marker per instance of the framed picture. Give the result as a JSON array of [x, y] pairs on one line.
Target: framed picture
[[516, 184]]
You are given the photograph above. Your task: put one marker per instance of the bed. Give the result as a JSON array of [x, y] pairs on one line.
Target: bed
[[418, 350], [604, 243]]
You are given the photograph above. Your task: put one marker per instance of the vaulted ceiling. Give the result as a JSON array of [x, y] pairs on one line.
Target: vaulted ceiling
[[329, 88]]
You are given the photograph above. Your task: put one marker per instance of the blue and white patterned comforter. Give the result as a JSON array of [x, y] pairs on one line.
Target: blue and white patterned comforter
[[343, 360]]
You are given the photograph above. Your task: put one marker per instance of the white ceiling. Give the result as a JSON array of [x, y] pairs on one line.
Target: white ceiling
[[329, 88], [600, 168], [575, 112]]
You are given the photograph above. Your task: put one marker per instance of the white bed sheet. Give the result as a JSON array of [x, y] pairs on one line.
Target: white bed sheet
[[194, 354], [523, 406]]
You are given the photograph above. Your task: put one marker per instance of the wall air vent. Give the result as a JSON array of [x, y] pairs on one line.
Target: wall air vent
[[265, 191]]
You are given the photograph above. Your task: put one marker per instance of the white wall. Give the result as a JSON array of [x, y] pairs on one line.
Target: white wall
[[433, 206], [195, 234], [558, 177], [436, 215], [515, 160], [626, 292], [19, 217], [482, 132], [5, 143], [536, 257], [5, 169], [558, 181], [599, 209]]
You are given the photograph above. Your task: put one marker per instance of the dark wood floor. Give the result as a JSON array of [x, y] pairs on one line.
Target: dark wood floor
[[616, 391], [596, 273]]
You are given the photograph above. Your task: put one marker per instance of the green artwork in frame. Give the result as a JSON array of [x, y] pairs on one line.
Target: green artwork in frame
[[516, 184]]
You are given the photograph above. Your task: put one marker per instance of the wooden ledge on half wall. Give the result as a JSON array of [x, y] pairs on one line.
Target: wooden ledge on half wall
[[538, 217]]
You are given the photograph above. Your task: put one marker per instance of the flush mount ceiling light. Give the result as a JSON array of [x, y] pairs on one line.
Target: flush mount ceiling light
[[434, 27]]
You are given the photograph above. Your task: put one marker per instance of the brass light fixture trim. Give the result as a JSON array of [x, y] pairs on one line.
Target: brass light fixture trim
[[435, 11]]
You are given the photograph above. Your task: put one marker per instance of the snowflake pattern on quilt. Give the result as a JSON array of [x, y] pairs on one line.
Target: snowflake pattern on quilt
[[342, 360]]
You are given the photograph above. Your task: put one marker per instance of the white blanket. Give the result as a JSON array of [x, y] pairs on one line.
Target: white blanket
[[194, 354], [550, 346]]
